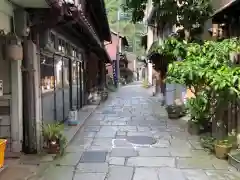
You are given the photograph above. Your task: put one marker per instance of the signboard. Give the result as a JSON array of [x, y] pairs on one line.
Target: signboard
[[1, 87], [114, 66]]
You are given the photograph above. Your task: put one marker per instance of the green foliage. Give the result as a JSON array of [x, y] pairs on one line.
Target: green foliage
[[54, 132], [125, 26], [207, 71], [208, 142], [188, 14], [199, 109]]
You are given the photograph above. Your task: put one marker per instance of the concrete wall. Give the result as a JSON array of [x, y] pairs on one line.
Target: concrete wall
[[10, 73], [6, 12], [5, 76]]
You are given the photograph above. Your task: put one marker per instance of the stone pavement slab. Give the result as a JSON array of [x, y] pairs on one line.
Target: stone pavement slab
[[131, 138], [89, 176], [92, 167], [120, 173], [145, 174], [151, 162]]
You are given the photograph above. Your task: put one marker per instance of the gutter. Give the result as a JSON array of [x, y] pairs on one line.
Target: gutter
[[58, 5], [225, 7]]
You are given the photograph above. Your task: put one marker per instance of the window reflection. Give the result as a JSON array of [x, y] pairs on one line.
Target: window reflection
[[47, 74], [54, 73]]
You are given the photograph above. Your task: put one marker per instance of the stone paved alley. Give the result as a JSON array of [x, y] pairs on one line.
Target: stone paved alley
[[130, 138]]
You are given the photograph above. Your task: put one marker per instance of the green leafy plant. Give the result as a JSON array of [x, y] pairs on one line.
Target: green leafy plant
[[207, 72], [208, 142], [190, 15], [224, 143], [53, 133]]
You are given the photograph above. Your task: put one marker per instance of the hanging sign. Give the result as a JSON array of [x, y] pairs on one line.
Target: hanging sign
[[1, 87]]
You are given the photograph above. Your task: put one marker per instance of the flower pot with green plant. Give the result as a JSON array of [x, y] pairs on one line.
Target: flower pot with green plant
[[222, 148], [54, 139]]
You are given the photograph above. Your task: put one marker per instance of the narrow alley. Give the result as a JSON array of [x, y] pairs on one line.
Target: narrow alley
[[129, 137]]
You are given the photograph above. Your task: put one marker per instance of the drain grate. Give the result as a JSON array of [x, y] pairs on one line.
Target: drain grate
[[93, 157]]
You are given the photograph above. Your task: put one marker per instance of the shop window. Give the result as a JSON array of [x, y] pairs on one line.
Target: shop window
[[53, 39], [54, 73], [47, 74], [74, 52], [61, 46]]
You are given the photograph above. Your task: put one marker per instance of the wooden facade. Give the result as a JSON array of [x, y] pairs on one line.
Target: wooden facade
[[65, 42], [226, 21]]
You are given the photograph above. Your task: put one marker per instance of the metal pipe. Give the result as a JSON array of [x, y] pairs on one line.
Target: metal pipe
[[54, 90], [63, 88]]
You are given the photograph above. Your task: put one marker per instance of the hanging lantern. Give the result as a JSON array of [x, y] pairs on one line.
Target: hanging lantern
[[14, 49]]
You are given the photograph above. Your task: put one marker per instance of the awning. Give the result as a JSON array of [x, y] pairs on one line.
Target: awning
[[231, 8]]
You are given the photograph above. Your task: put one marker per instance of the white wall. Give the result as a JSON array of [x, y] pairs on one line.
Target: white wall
[[6, 12], [10, 72]]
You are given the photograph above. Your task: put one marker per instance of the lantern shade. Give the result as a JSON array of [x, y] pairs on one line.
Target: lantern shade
[[14, 52]]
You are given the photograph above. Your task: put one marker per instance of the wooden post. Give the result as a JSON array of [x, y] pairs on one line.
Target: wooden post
[[29, 106]]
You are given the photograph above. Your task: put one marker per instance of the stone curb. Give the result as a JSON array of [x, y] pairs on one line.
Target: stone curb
[[79, 126]]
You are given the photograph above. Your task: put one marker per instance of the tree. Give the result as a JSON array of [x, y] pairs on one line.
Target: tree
[[126, 26], [187, 14]]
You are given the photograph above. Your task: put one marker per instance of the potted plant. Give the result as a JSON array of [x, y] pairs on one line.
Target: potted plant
[[173, 111], [53, 138], [222, 148]]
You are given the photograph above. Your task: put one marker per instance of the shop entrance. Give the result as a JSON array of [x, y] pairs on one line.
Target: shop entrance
[[61, 86]]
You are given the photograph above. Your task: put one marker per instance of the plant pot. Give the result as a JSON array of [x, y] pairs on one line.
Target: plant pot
[[53, 147], [173, 112], [173, 115], [234, 160], [193, 128], [221, 151]]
